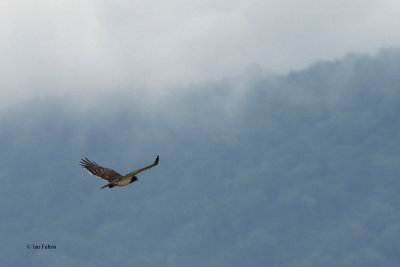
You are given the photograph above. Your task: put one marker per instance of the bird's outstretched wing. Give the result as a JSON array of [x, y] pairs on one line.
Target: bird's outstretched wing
[[145, 168], [103, 173]]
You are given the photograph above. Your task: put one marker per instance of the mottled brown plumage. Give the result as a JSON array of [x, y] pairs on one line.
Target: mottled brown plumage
[[99, 171]]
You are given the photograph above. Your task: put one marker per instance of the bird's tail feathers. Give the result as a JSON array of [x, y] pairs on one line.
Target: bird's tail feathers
[[107, 185]]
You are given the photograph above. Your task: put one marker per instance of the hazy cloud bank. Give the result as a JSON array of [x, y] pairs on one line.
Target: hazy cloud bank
[[70, 47]]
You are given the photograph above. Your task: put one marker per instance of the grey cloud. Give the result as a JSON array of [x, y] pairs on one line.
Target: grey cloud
[[63, 47]]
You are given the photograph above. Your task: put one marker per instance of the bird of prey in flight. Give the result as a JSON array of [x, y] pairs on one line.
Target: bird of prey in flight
[[113, 177]]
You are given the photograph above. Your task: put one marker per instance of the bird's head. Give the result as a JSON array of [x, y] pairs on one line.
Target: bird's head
[[134, 179]]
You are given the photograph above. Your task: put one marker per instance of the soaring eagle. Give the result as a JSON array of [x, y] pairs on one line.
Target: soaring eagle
[[113, 177]]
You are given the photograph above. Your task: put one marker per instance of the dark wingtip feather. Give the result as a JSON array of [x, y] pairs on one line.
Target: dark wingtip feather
[[82, 162], [156, 161], [85, 163]]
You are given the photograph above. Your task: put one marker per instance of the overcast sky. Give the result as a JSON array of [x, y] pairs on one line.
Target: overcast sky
[[69, 46], [299, 169]]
